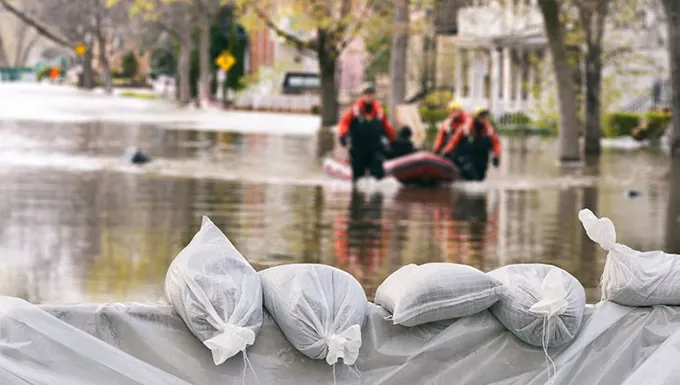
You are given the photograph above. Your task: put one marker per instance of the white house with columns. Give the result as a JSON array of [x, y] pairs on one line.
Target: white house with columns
[[501, 43]]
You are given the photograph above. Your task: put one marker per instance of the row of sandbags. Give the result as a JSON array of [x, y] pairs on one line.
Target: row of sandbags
[[321, 309]]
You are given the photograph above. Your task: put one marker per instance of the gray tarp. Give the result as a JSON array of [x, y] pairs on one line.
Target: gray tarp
[[616, 345]]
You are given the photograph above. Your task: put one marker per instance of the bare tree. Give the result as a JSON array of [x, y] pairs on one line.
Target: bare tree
[[592, 16], [335, 24], [4, 61], [206, 10], [19, 39], [398, 58], [568, 125], [176, 20], [71, 22]]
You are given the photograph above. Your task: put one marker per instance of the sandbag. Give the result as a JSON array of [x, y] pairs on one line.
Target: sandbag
[[542, 305], [320, 309], [416, 295], [216, 292], [631, 277]]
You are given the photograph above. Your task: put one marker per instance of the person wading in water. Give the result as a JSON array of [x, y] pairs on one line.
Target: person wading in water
[[364, 125]]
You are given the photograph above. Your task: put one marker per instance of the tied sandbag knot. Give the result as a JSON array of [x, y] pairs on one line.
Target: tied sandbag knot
[[553, 303], [344, 345], [617, 274], [227, 344]]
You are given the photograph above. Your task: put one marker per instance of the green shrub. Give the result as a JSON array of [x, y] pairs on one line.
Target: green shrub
[[657, 122], [129, 65], [315, 110], [437, 100], [433, 116], [620, 124], [516, 118]]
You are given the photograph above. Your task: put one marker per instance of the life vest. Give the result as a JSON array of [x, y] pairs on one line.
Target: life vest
[[376, 114]]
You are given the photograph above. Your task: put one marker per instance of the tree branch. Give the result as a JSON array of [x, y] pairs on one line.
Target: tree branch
[[361, 21], [3, 55], [299, 43], [33, 23]]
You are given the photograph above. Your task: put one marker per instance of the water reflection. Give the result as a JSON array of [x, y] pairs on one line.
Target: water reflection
[[109, 234], [360, 238]]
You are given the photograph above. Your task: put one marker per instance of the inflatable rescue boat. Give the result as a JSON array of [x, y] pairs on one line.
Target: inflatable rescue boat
[[421, 168]]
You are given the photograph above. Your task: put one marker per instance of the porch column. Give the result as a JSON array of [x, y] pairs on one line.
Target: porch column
[[519, 79], [507, 73], [494, 98], [472, 89], [458, 62], [531, 81]]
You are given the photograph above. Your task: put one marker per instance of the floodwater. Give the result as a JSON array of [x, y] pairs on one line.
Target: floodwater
[[79, 224]]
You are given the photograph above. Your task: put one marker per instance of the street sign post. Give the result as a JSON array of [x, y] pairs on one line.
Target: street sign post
[[221, 78]]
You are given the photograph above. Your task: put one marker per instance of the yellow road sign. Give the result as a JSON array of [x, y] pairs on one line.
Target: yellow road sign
[[226, 60], [81, 49]]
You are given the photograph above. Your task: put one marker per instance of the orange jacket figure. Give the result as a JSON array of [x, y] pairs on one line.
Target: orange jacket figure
[[365, 124], [457, 120], [470, 148], [358, 111], [487, 131], [54, 73]]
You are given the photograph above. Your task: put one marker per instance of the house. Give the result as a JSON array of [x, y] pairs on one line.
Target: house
[[270, 56], [502, 59]]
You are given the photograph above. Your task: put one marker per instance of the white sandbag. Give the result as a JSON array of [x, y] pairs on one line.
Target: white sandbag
[[416, 295], [320, 309], [542, 305], [631, 277], [216, 292]]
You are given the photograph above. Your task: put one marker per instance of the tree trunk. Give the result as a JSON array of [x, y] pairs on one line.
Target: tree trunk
[[35, 24], [328, 60], [105, 74], [20, 41], [593, 101], [568, 126], [205, 68], [87, 79], [673, 208], [4, 62], [398, 57], [184, 71], [672, 9]]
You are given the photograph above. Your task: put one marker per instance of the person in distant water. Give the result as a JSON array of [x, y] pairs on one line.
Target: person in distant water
[[135, 156], [457, 120], [364, 124], [472, 147], [403, 144]]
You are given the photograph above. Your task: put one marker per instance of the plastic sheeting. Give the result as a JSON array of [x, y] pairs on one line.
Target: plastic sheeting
[[616, 345]]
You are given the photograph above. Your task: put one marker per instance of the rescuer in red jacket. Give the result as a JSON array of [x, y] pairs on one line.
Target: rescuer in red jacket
[[457, 120], [364, 124], [470, 148]]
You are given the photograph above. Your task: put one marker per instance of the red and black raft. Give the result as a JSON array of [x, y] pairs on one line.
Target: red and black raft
[[420, 168]]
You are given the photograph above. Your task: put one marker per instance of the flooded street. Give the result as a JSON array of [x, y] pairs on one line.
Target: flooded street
[[77, 223]]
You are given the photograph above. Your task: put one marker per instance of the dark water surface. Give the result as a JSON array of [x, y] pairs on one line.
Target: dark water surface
[[78, 224]]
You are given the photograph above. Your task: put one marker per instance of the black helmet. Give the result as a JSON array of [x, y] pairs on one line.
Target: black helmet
[[368, 89], [405, 132]]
